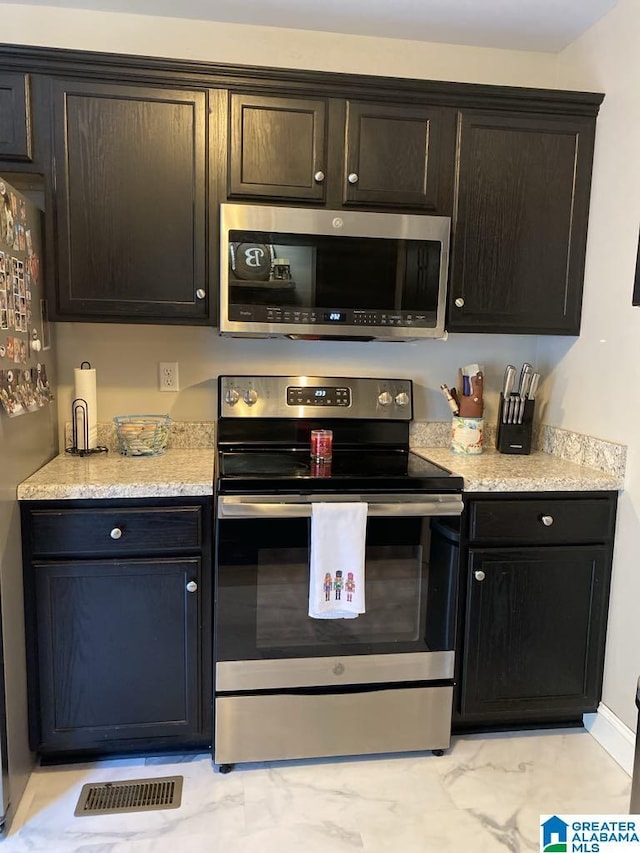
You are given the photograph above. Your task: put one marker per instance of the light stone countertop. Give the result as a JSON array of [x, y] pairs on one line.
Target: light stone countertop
[[181, 473], [491, 471], [178, 473]]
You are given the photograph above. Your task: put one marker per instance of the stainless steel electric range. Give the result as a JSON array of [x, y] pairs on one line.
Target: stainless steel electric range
[[290, 686]]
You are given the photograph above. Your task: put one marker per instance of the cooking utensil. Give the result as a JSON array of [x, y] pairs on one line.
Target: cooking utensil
[[525, 371], [524, 394], [525, 378], [507, 388], [533, 387], [453, 405], [477, 389]]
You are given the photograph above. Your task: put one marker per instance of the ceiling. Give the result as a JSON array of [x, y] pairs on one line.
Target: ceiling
[[541, 25]]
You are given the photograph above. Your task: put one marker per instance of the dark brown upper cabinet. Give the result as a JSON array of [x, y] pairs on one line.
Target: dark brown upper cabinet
[[341, 152], [277, 148], [520, 222], [399, 156], [130, 203], [15, 117]]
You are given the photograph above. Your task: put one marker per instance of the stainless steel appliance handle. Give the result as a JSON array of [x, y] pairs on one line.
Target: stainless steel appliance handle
[[280, 506]]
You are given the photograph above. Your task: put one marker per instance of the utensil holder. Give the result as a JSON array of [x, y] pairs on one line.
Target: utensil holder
[[515, 438], [467, 435]]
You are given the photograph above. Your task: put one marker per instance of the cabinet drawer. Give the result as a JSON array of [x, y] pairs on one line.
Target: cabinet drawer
[[115, 532], [547, 520]]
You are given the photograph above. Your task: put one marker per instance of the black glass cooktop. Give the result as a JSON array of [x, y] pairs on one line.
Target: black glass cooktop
[[352, 470]]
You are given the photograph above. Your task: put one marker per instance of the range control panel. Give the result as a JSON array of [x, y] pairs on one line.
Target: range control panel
[[309, 396], [318, 395]]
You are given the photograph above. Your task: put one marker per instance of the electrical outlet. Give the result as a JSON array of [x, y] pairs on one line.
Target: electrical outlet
[[169, 376]]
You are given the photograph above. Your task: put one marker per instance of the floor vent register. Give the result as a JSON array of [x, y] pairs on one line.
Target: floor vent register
[[135, 795]]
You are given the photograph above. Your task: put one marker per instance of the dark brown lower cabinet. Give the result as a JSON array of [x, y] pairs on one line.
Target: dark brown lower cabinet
[[121, 660], [119, 650], [533, 616], [534, 631]]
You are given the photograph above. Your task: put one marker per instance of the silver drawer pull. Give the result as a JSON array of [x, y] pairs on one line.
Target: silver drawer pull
[[479, 575], [192, 586], [547, 520], [116, 533]]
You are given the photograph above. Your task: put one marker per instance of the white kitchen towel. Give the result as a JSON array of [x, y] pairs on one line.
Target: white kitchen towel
[[336, 565]]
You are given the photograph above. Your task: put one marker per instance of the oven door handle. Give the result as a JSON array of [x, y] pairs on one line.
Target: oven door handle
[[244, 507]]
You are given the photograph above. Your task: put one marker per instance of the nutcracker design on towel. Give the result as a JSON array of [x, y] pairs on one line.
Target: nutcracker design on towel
[[336, 565]]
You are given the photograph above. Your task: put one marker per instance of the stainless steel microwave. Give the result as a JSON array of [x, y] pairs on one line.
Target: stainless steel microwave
[[355, 275]]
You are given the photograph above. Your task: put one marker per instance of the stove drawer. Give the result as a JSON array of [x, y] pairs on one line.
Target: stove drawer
[[286, 726], [115, 531]]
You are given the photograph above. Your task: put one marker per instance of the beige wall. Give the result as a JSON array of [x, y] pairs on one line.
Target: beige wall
[[595, 380], [246, 45]]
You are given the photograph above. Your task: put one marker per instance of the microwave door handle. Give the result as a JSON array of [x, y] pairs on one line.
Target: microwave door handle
[[438, 506]]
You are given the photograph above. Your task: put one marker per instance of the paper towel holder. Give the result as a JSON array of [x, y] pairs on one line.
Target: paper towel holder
[[80, 412]]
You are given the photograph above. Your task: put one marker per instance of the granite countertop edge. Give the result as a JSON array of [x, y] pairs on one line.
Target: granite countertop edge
[[538, 471], [189, 473], [177, 473]]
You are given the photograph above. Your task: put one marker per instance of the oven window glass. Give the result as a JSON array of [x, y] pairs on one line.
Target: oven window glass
[[263, 593], [393, 580], [332, 273]]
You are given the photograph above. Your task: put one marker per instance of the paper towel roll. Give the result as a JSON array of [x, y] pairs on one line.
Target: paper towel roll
[[85, 389]]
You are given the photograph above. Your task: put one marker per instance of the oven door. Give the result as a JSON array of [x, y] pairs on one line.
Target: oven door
[[264, 636]]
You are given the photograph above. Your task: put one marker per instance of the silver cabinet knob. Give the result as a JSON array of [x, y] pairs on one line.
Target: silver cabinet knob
[[402, 398], [547, 520], [116, 533], [192, 586], [459, 302], [250, 397], [385, 398], [479, 575], [200, 293], [231, 396], [353, 178], [319, 177]]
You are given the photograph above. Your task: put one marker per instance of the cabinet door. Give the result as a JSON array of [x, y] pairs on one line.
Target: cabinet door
[[130, 202], [119, 651], [15, 117], [534, 632], [520, 226], [400, 156], [277, 147]]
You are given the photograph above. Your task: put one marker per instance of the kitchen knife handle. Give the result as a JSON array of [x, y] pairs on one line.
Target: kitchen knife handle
[[533, 388], [509, 379]]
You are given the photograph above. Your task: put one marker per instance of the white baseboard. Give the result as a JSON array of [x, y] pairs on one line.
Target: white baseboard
[[613, 735]]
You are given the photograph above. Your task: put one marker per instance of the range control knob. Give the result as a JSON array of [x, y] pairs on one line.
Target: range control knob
[[250, 397], [385, 399], [402, 399], [231, 396]]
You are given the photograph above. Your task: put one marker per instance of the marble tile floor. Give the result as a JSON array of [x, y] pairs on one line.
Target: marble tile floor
[[485, 794]]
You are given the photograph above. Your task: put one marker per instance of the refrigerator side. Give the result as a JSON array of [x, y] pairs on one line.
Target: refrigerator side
[[27, 442]]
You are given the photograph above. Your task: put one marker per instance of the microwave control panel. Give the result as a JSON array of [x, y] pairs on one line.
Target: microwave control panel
[[327, 317]]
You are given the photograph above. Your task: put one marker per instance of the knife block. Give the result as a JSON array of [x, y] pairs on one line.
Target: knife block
[[516, 438]]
